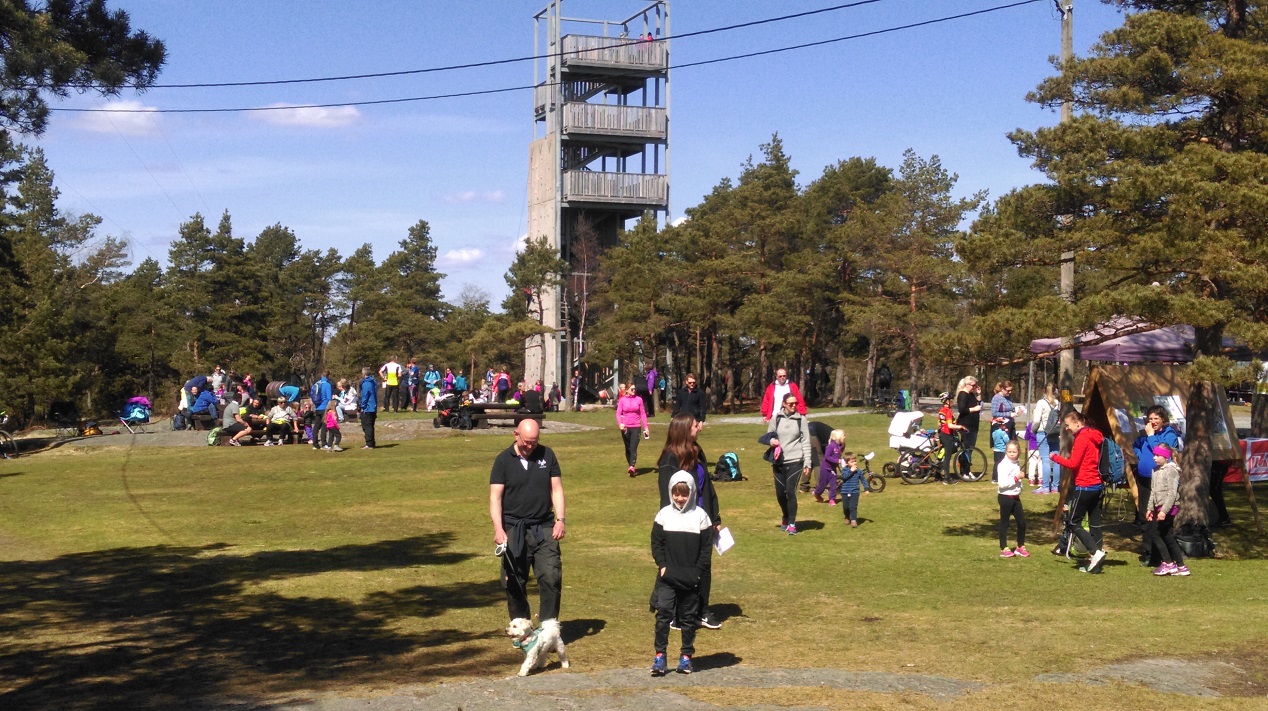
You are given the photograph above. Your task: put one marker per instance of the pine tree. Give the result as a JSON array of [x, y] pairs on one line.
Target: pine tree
[[1157, 187]]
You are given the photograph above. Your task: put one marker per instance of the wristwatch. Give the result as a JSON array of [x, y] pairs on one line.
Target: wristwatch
[[560, 520]]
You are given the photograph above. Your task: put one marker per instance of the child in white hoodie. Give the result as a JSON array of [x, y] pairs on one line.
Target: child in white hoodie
[[680, 546]]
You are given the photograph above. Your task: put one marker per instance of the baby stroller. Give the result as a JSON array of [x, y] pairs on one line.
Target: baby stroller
[[136, 414], [911, 442]]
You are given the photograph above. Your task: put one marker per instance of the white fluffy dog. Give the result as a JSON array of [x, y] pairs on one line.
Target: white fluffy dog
[[536, 643]]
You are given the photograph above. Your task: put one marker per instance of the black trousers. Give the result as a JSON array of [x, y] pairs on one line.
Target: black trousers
[[787, 476], [676, 603], [1010, 506], [1087, 503], [367, 427], [949, 448], [968, 440], [1160, 539], [319, 429], [631, 436], [283, 432], [542, 554], [392, 398]]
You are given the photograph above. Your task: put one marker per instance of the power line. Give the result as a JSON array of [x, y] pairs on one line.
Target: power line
[[494, 62], [486, 92]]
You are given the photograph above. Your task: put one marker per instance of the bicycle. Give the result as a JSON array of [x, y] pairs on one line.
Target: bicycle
[[8, 446], [875, 481]]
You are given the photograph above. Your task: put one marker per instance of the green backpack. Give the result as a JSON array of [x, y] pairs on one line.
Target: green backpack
[[213, 437]]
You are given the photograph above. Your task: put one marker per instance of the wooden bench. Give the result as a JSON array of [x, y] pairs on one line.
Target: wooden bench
[[483, 420]]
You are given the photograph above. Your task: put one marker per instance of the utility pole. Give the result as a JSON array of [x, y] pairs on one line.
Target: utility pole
[[1065, 379]]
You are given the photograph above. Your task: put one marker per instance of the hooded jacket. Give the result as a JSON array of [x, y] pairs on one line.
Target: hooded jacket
[[793, 433], [680, 540]]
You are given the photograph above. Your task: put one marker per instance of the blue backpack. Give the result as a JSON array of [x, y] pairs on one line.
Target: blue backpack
[[1113, 467], [727, 468]]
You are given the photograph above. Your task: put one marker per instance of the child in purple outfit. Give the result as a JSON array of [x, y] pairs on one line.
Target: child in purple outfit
[[828, 467]]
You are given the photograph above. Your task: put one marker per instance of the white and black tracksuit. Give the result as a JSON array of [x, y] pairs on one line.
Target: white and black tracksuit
[[680, 545]]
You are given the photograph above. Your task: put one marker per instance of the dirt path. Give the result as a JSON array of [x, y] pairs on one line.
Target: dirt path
[[635, 690]]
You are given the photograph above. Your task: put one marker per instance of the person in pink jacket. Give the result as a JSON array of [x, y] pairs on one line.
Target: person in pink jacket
[[631, 415]]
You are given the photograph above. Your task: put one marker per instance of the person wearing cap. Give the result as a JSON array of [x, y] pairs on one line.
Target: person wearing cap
[[947, 429], [1160, 513]]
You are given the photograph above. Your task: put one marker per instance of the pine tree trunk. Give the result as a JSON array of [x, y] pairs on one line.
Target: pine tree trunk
[[869, 372], [840, 384], [1259, 415], [1195, 463]]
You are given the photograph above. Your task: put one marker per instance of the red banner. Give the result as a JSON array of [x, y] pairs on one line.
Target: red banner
[[1255, 461]]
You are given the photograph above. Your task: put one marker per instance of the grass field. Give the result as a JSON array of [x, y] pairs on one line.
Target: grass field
[[146, 577]]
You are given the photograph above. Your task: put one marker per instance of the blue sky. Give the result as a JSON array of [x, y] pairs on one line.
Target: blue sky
[[345, 176]]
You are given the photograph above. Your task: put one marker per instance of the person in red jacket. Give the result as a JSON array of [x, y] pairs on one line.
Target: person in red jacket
[[776, 391], [1085, 459]]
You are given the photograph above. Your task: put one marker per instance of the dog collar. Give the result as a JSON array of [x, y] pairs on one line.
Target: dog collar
[[526, 645]]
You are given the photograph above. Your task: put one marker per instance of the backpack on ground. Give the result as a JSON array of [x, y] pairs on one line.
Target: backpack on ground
[[1113, 468], [178, 422], [213, 437], [727, 468]]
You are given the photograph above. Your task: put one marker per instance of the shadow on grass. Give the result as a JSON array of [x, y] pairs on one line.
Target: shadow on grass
[[726, 611], [573, 630], [717, 660], [811, 525], [162, 626], [1120, 535]]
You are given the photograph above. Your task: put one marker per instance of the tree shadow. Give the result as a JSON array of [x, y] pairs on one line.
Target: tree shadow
[[573, 630], [163, 626], [1122, 535]]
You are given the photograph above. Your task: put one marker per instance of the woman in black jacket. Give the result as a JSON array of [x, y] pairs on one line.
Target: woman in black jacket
[[683, 452], [968, 402]]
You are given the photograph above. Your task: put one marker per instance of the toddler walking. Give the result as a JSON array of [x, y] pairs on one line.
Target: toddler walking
[[851, 482], [1009, 480], [828, 467], [333, 435]]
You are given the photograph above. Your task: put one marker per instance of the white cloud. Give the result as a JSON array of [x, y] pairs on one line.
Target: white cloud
[[471, 196], [131, 118], [680, 220], [460, 257], [312, 117]]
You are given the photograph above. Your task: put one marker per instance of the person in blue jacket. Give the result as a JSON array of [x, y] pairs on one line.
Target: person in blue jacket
[[369, 404], [1158, 430]]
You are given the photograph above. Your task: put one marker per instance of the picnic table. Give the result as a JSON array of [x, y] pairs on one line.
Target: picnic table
[[480, 415]]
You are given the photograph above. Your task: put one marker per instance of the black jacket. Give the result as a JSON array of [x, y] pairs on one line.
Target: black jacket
[[690, 402]]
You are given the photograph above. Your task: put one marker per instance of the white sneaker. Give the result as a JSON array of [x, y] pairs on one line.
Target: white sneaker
[[326, 447], [1097, 557], [336, 448]]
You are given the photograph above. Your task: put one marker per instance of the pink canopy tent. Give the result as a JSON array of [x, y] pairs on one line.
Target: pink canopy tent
[[1169, 344]]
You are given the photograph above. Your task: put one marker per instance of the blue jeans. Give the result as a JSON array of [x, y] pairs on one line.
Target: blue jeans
[[1049, 473]]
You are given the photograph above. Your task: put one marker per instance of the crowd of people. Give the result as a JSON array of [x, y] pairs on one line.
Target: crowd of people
[[282, 412]]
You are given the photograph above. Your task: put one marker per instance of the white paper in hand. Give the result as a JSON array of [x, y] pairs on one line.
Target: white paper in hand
[[725, 541]]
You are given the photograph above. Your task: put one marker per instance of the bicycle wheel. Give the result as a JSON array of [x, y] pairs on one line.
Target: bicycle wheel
[[919, 470], [8, 447], [977, 464], [890, 469], [876, 482]]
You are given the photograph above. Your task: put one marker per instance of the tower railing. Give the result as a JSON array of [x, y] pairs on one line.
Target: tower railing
[[640, 121], [635, 188], [592, 50]]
